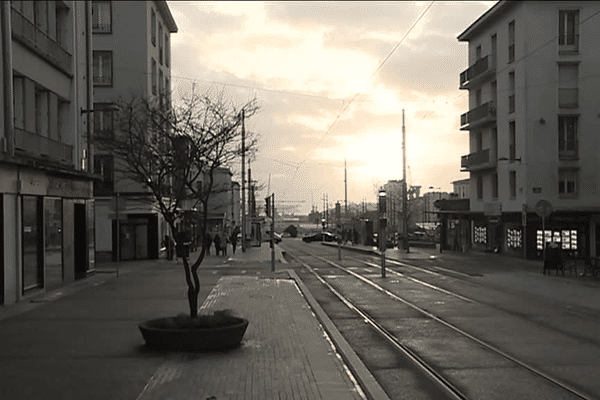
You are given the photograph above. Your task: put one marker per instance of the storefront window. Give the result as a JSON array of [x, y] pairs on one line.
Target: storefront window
[[480, 234], [514, 238], [53, 242], [567, 238], [90, 234], [33, 274]]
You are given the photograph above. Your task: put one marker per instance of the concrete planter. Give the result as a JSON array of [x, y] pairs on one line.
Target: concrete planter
[[159, 334]]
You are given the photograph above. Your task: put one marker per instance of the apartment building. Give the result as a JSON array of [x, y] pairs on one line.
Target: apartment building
[[46, 202], [131, 58], [532, 123]]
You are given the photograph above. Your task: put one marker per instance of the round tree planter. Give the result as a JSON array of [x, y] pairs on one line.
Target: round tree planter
[[158, 335]]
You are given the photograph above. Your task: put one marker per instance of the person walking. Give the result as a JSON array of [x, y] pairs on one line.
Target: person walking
[[233, 238], [217, 240], [207, 243]]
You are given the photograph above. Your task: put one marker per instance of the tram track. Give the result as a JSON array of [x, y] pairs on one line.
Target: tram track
[[578, 313], [434, 373]]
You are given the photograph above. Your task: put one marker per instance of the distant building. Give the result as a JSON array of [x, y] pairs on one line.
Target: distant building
[[532, 123], [46, 202], [131, 58], [461, 188]]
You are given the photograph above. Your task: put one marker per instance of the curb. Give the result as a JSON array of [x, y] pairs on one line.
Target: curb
[[367, 382]]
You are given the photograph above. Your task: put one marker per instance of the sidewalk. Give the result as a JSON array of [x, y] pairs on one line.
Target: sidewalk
[[82, 341]]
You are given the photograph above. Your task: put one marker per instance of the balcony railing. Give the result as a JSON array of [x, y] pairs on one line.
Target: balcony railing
[[98, 27], [31, 36], [478, 116], [42, 147], [568, 97], [102, 80], [475, 159], [481, 66], [568, 44], [568, 150]]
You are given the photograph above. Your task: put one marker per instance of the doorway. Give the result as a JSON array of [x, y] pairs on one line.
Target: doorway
[[80, 240]]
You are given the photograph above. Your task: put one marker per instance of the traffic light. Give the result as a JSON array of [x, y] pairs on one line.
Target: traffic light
[[268, 206], [382, 202]]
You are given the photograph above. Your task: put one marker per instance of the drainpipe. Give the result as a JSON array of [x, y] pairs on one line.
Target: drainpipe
[[9, 135], [90, 88]]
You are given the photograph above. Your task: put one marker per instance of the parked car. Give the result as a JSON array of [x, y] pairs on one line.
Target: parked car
[[320, 237]]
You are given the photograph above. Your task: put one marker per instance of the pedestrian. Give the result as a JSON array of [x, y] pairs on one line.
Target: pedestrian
[[207, 243], [224, 242], [217, 240], [233, 238]]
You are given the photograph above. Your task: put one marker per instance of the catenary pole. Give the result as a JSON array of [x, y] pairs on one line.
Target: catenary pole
[[243, 185], [404, 187]]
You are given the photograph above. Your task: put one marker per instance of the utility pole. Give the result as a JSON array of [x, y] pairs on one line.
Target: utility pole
[[273, 232], [345, 190], [243, 185], [404, 187]]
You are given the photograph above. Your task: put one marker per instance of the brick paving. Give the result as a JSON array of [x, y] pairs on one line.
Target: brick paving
[[284, 354]]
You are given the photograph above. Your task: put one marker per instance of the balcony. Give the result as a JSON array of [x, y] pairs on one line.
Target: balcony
[[102, 80], [477, 161], [568, 97], [478, 117], [98, 27], [482, 69], [568, 44], [25, 32], [568, 150], [43, 148]]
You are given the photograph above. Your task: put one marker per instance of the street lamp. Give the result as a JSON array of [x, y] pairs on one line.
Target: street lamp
[[440, 225]]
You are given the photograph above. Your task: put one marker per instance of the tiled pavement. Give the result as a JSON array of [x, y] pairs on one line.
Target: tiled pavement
[[284, 353], [82, 341]]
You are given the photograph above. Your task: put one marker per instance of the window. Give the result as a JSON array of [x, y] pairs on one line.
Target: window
[[512, 182], [41, 112], [103, 118], [567, 182], [567, 136], [495, 186], [19, 101], [511, 91], [153, 76], [512, 138], [40, 15], [478, 97], [103, 165], [102, 68], [161, 88], [478, 52], [101, 17], [568, 28], [160, 43], [568, 78], [567, 238], [514, 238], [153, 26], [167, 50], [511, 41], [479, 188], [480, 234]]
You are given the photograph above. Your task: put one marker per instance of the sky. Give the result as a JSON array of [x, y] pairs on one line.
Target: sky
[[332, 80]]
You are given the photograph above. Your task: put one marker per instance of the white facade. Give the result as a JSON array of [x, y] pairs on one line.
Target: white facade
[[46, 202], [532, 120], [131, 59]]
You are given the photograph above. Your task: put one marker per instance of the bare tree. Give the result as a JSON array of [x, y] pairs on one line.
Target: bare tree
[[174, 151]]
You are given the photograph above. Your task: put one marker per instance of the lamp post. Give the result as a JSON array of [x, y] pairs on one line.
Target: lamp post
[[440, 224], [382, 230]]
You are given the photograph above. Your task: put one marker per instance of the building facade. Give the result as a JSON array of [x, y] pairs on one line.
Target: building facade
[[46, 202], [131, 59], [532, 125]]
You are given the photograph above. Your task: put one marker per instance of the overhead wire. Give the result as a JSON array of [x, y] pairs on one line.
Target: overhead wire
[[358, 93]]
